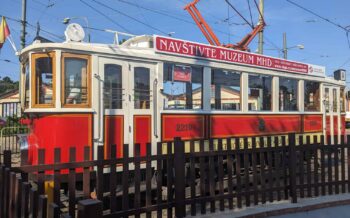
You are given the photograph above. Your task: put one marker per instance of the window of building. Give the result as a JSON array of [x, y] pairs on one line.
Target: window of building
[[182, 87], [288, 94], [259, 93], [43, 80], [142, 88], [342, 100], [76, 80], [326, 99], [112, 86], [311, 96], [335, 100], [225, 90]]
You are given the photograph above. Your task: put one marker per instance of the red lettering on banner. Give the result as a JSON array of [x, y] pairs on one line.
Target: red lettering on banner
[[169, 45]]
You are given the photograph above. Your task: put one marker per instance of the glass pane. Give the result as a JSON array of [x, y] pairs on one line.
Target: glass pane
[[335, 100], [75, 74], [288, 94], [342, 100], [259, 93], [182, 94], [26, 93], [311, 96], [326, 99], [43, 80], [225, 90], [141, 88], [113, 92]]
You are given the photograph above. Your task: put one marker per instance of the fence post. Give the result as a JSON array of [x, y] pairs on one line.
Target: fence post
[[7, 158], [292, 164], [179, 160], [90, 208]]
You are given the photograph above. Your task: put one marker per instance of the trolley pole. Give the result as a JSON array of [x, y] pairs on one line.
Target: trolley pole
[[261, 34], [284, 45], [24, 22]]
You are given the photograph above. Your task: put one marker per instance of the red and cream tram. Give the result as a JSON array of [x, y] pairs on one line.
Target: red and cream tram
[[154, 88]]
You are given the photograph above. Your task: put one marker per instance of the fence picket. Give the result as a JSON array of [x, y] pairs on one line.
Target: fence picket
[[148, 179], [254, 165], [323, 166], [125, 178], [159, 180], [229, 173], [246, 172], [221, 175], [308, 165], [113, 180], [238, 173], [270, 171], [202, 167], [193, 178], [211, 176], [72, 182], [137, 178], [262, 170]]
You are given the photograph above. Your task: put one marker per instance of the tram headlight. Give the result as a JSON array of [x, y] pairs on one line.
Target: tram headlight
[[23, 141]]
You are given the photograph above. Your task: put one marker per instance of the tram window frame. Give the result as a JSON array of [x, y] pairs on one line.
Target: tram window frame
[[218, 105], [87, 58], [296, 97], [114, 90], [168, 79], [26, 82], [34, 93], [142, 97], [269, 91], [317, 105]]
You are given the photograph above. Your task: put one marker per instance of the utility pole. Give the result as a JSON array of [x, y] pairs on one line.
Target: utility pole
[[284, 45], [22, 62], [24, 22], [261, 34]]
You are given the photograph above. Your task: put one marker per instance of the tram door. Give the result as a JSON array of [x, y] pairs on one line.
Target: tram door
[[127, 104], [331, 118]]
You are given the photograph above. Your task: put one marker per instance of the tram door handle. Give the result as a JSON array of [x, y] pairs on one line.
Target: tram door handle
[[129, 97]]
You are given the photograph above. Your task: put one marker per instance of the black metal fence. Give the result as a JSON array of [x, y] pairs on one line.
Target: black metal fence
[[181, 179], [10, 127]]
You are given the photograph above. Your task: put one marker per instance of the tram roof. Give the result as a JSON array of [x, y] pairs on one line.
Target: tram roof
[[152, 45]]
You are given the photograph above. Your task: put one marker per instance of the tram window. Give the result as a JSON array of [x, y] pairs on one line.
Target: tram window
[[335, 100], [342, 100], [76, 80], [182, 94], [288, 94], [311, 96], [141, 88], [259, 92], [225, 90], [26, 84], [113, 93], [43, 84], [326, 99]]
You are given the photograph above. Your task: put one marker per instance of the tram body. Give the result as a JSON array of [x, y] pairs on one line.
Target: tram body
[[152, 88]]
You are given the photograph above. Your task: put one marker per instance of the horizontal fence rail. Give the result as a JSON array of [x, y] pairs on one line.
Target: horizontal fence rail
[[182, 178]]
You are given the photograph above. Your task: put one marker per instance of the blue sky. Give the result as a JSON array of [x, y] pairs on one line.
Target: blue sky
[[324, 43]]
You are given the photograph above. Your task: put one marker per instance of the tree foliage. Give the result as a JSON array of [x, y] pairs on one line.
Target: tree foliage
[[6, 85]]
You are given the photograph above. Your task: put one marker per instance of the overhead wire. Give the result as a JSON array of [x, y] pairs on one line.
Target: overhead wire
[[233, 7], [250, 12], [105, 16], [323, 18], [169, 15], [130, 17]]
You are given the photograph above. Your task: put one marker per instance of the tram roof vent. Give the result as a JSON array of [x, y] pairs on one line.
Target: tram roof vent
[[143, 41], [340, 75]]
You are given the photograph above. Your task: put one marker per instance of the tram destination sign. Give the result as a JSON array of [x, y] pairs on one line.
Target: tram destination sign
[[180, 47]]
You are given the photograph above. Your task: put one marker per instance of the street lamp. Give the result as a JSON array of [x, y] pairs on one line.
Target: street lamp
[[68, 19], [285, 49]]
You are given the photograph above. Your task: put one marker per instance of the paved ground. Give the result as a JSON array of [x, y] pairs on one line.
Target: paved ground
[[332, 206]]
